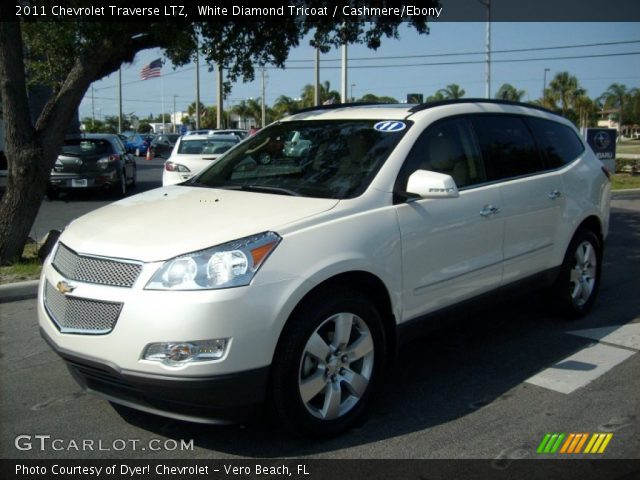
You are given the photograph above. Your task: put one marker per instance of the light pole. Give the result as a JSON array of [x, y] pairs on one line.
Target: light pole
[[487, 3], [352, 99], [544, 82]]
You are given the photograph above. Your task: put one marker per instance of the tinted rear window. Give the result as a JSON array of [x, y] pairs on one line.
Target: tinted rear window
[[85, 146], [559, 143], [508, 149], [206, 147]]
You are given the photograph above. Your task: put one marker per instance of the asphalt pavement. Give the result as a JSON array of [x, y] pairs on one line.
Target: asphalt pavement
[[490, 386]]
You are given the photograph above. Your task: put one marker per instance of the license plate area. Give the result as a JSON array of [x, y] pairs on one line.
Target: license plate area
[[79, 183]]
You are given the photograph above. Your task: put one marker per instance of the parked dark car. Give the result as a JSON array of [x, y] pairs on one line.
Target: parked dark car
[[92, 161], [163, 144]]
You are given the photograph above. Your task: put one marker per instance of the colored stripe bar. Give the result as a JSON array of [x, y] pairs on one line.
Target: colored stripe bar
[[591, 442], [567, 443], [605, 443], [581, 444], [555, 448], [543, 443], [551, 443]]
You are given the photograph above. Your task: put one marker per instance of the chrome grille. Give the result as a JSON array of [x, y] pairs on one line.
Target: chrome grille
[[80, 315], [95, 270]]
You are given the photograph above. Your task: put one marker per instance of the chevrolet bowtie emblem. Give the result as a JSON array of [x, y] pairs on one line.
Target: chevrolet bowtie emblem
[[64, 287]]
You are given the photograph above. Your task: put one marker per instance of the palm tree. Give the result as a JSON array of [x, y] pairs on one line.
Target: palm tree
[[616, 96], [284, 106], [451, 92], [509, 92], [438, 96], [307, 99], [563, 88]]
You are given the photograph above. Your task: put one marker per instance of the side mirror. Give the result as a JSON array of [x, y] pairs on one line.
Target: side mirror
[[427, 184]]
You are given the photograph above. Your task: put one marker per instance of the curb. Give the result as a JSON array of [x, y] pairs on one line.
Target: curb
[[625, 190], [12, 292]]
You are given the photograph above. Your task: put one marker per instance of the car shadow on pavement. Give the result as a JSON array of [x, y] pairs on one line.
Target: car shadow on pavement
[[469, 365]]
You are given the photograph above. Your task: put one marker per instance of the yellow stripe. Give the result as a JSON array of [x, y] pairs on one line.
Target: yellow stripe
[[591, 442], [598, 442], [584, 439], [605, 443], [567, 442]]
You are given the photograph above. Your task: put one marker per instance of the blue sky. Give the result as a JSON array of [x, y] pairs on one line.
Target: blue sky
[[595, 73]]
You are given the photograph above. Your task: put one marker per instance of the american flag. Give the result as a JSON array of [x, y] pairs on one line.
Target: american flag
[[152, 70]]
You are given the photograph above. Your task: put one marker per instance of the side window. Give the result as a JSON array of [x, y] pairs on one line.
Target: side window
[[508, 149], [119, 145], [445, 147], [559, 144]]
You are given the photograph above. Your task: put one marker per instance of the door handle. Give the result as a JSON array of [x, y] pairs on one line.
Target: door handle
[[553, 194], [489, 210]]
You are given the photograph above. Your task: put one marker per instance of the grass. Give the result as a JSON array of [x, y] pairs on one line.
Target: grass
[[621, 181], [27, 268]]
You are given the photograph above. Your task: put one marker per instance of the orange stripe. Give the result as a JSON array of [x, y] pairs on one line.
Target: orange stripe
[[591, 442], [567, 442], [584, 439], [575, 442], [605, 443]]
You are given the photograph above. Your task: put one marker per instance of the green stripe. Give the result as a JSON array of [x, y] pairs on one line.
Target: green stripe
[[557, 445], [543, 443], [551, 443]]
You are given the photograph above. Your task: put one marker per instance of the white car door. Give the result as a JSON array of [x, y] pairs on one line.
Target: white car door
[[533, 198], [451, 247]]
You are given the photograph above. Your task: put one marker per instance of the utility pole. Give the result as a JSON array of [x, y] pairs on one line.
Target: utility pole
[[344, 92], [198, 89], [487, 3], [93, 112], [219, 99], [544, 82], [316, 95], [263, 109], [174, 114], [120, 100]]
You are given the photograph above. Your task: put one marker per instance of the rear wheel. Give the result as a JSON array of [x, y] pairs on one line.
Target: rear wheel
[[576, 287], [327, 364]]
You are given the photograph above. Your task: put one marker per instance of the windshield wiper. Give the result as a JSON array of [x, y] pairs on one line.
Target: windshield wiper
[[269, 189]]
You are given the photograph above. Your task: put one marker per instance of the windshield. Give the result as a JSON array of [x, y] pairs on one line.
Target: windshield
[[331, 159], [206, 146], [79, 147]]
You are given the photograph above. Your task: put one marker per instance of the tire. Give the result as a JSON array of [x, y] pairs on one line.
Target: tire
[[323, 373], [120, 190], [576, 288], [134, 178], [53, 194]]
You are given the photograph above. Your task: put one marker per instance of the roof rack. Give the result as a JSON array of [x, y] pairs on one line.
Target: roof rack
[[427, 105], [333, 106]]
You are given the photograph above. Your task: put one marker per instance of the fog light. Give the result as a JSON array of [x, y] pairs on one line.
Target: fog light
[[181, 353]]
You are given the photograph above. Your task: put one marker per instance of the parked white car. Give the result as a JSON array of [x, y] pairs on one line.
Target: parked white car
[[193, 153], [292, 281]]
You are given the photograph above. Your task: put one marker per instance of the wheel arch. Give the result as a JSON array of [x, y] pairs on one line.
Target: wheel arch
[[366, 283]]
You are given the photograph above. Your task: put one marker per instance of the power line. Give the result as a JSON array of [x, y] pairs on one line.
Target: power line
[[515, 50], [472, 62]]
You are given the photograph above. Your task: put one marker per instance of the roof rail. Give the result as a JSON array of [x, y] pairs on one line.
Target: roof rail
[[427, 105], [333, 106]]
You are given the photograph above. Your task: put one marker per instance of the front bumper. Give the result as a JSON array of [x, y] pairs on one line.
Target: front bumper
[[218, 399]]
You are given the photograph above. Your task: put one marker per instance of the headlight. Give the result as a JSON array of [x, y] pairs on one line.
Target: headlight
[[231, 264]]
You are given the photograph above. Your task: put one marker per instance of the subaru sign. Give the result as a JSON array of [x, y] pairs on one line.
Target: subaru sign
[[603, 143]]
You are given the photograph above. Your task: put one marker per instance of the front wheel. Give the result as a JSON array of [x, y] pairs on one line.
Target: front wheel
[[576, 287], [327, 364]]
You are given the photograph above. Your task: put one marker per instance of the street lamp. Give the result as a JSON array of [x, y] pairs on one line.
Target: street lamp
[[544, 82], [351, 95]]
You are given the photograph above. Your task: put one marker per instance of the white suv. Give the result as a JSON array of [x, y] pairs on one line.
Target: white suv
[[289, 281]]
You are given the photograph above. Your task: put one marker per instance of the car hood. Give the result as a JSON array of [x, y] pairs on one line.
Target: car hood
[[170, 221]]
